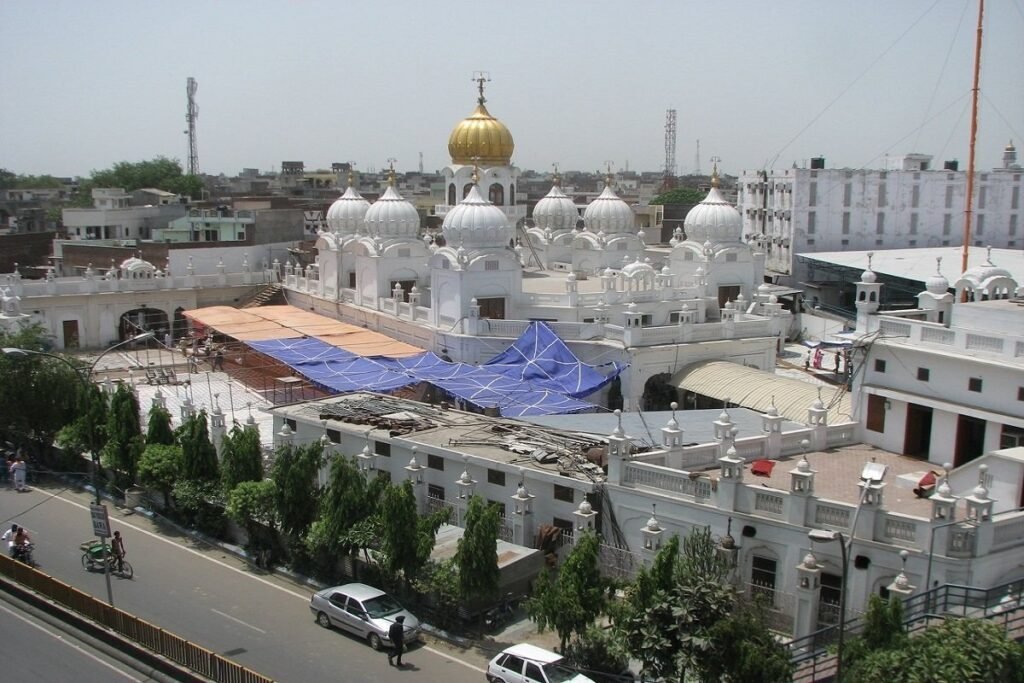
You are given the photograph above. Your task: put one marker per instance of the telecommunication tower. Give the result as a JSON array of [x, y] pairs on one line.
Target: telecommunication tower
[[696, 159], [669, 179], [191, 115], [421, 163]]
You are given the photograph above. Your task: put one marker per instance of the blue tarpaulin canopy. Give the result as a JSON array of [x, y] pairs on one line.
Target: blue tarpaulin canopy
[[538, 375]]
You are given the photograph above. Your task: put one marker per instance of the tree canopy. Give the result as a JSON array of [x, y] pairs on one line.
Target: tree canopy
[[161, 173], [568, 602], [241, 457], [16, 181], [124, 435], [158, 429], [199, 457], [680, 195], [295, 491], [406, 538], [160, 468], [477, 554]]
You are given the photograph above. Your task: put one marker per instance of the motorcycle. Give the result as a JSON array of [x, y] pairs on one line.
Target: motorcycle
[[23, 553], [502, 614]]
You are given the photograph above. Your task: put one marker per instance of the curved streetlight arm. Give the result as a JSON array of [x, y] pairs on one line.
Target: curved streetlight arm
[[137, 338]]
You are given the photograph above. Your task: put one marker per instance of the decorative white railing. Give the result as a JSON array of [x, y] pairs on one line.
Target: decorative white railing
[[897, 528], [666, 479], [891, 328], [768, 502], [938, 336], [980, 342], [1008, 530], [831, 515]]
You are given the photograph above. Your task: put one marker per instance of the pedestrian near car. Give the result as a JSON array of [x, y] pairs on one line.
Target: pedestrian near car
[[396, 632]]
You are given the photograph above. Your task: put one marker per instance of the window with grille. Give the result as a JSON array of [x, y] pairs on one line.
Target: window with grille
[[435, 462], [974, 384], [762, 577], [923, 374], [496, 477], [564, 493]]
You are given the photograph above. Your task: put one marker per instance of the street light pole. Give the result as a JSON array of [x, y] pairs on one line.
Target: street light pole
[[823, 536]]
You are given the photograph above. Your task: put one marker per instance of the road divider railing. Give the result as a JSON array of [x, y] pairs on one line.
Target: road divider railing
[[179, 650]]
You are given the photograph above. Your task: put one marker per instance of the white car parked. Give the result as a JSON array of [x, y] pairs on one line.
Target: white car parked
[[366, 611], [525, 663]]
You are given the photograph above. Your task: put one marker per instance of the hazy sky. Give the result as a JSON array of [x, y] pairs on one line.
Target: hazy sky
[[85, 84]]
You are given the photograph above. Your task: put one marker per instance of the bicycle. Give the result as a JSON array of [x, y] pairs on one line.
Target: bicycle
[[95, 553]]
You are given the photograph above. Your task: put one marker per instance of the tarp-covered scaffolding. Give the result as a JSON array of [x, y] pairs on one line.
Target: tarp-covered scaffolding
[[537, 375]]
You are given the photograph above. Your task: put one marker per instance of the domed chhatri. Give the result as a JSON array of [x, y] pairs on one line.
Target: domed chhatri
[[608, 213], [391, 215], [476, 223], [480, 138], [555, 211], [937, 284], [347, 214], [714, 219]]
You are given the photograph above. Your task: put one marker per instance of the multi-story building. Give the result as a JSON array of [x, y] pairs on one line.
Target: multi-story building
[[907, 204], [944, 381], [115, 217]]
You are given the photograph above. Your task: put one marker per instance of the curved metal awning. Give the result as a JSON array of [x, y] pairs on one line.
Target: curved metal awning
[[755, 389]]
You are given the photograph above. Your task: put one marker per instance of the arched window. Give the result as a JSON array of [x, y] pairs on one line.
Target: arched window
[[496, 193], [465, 190], [451, 194], [512, 195]]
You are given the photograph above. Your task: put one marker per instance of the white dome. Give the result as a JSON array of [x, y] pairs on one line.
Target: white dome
[[714, 219], [608, 213], [392, 216], [937, 284], [346, 216], [475, 222], [133, 265], [982, 274], [637, 268], [555, 211]]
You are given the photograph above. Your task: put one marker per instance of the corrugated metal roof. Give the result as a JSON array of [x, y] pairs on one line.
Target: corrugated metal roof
[[756, 389]]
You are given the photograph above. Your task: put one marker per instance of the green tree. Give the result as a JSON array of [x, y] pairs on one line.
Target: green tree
[[406, 538], [477, 553], [17, 181], [199, 457], [87, 432], [158, 429], [160, 468], [744, 650], [680, 195], [161, 173], [667, 617], [572, 600], [124, 435], [347, 521], [597, 653], [962, 650], [241, 457], [39, 395], [251, 504], [883, 630], [296, 494]]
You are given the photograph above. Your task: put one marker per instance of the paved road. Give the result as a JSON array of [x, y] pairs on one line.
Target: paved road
[[35, 651], [214, 599]]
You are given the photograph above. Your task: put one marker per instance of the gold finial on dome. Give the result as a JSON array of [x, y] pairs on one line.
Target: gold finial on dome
[[391, 171], [608, 174], [351, 178], [558, 178], [481, 135], [475, 177], [715, 182], [481, 77]]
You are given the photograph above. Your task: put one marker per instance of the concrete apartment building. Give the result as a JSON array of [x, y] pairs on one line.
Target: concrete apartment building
[[909, 203]]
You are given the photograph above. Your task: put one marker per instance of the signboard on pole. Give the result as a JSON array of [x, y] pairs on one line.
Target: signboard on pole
[[100, 520]]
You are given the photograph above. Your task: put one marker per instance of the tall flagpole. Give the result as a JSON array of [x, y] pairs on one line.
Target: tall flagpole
[[969, 200]]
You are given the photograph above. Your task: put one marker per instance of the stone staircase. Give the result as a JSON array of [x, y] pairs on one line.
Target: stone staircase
[[264, 295]]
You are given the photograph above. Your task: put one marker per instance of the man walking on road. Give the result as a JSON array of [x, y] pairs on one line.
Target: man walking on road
[[117, 548], [396, 633]]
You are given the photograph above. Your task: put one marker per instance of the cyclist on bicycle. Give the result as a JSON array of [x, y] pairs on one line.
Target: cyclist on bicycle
[[117, 548]]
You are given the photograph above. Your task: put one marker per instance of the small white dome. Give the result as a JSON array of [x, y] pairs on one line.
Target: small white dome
[[476, 223], [810, 561], [637, 268], [555, 211], [937, 284], [347, 215], [585, 507], [608, 213], [392, 216], [133, 265], [868, 277], [764, 288], [653, 525], [714, 219], [803, 465]]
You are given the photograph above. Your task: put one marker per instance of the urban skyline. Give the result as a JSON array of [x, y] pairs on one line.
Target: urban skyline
[[760, 85]]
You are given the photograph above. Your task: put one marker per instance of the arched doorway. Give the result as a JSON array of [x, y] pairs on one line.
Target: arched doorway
[[496, 194], [180, 325], [451, 194], [658, 393], [139, 320]]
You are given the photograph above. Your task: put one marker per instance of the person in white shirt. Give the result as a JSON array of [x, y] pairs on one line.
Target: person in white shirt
[[9, 537]]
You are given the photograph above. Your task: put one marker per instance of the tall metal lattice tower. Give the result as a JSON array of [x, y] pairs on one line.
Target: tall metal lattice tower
[[669, 178], [191, 115], [696, 159]]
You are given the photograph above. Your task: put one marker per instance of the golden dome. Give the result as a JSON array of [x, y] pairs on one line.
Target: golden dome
[[481, 139]]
